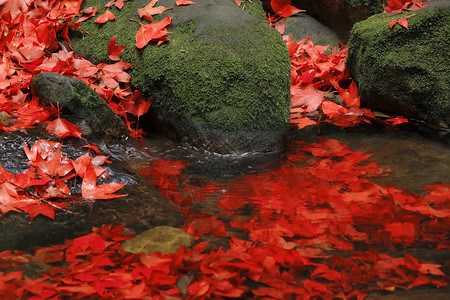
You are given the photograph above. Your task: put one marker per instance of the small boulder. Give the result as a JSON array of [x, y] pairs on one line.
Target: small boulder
[[302, 25], [78, 99], [163, 239], [405, 72]]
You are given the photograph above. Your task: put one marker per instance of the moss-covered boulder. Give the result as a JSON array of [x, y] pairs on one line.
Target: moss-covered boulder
[[76, 98], [221, 83], [404, 72]]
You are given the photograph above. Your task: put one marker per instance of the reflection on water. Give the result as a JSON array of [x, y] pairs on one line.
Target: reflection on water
[[319, 220], [416, 159], [323, 201]]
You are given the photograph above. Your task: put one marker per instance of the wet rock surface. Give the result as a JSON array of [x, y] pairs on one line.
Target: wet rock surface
[[302, 25], [76, 98], [163, 239], [340, 15], [143, 208]]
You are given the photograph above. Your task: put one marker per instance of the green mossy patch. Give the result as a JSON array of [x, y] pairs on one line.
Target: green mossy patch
[[404, 71], [76, 98], [375, 6], [232, 80]]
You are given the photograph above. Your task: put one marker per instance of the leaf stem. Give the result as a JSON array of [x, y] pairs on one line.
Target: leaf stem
[[43, 200]]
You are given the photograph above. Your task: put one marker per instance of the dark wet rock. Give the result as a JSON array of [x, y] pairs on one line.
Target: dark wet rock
[[163, 239], [143, 208], [301, 25], [78, 99], [405, 72], [339, 15], [31, 270], [417, 293], [220, 84]]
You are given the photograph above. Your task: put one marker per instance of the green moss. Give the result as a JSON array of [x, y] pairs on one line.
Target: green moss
[[411, 66], [243, 85], [375, 6], [255, 9]]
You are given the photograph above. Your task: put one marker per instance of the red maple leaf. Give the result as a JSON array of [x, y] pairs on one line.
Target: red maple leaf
[[307, 97], [153, 32], [148, 11], [302, 122], [137, 105], [348, 96], [396, 121], [90, 189], [81, 164], [105, 17], [187, 2], [403, 22], [398, 6], [330, 108], [13, 8], [114, 50], [63, 128], [118, 3], [88, 13], [283, 8], [11, 200], [40, 209]]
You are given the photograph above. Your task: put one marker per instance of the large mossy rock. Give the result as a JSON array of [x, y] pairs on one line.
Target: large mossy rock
[[76, 98], [221, 83], [405, 72]]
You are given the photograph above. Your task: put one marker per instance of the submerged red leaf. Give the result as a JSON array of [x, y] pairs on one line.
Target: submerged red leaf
[[90, 189]]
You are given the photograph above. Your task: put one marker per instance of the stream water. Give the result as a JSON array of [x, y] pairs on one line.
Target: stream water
[[415, 158], [322, 198]]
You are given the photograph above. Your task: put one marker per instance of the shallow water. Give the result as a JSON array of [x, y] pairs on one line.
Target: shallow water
[[415, 159], [321, 199], [274, 201]]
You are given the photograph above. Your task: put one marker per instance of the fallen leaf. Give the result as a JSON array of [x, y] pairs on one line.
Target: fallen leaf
[[187, 2], [90, 189], [307, 97], [114, 50], [88, 13], [105, 17], [153, 32], [283, 8], [148, 11], [63, 128]]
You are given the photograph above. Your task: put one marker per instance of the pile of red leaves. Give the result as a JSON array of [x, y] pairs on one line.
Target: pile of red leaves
[[29, 45], [304, 214], [319, 204], [315, 75], [42, 188]]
